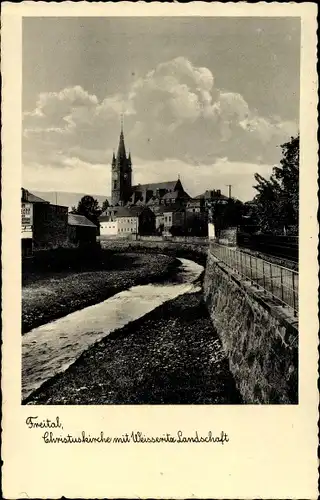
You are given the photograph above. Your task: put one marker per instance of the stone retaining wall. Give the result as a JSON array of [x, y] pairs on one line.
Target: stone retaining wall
[[260, 338]]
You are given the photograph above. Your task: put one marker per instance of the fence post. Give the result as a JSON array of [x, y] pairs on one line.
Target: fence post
[[281, 277], [257, 279], [241, 264], [271, 278], [264, 277], [294, 295], [250, 260]]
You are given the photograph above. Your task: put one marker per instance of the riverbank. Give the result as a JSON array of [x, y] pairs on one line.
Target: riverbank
[[193, 251], [170, 356], [47, 296]]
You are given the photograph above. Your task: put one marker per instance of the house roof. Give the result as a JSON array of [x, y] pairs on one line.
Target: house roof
[[195, 201], [132, 211], [28, 197], [124, 212], [79, 220], [169, 209], [153, 201], [105, 218], [207, 195]]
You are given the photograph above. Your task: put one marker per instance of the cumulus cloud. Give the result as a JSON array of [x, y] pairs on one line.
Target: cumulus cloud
[[174, 111]]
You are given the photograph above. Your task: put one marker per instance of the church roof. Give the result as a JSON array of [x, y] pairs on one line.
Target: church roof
[[168, 185], [175, 194], [121, 148]]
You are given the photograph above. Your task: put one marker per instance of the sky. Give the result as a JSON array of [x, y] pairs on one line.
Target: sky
[[209, 99]]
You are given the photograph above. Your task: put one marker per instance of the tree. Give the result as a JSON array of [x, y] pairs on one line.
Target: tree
[[227, 214], [89, 207], [105, 205], [277, 201]]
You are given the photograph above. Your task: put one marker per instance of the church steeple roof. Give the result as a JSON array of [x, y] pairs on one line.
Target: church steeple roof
[[121, 148]]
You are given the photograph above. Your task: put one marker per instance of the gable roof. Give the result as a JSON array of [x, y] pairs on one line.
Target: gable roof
[[79, 220], [28, 197]]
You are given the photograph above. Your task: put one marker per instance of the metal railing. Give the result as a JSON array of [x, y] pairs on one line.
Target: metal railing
[[282, 283]]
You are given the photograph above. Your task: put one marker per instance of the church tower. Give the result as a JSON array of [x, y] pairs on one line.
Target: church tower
[[121, 188]]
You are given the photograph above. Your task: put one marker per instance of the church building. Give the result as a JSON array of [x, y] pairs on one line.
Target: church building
[[153, 195]]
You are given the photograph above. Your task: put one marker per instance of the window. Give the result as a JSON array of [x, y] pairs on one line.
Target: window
[[114, 184]]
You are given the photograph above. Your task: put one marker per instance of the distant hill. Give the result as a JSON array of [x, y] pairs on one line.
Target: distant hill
[[64, 198]]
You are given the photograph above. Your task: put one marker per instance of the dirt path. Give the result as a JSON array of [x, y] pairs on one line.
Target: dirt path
[[171, 356]]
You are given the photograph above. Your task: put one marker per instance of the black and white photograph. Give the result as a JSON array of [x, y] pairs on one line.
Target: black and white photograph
[[160, 210], [159, 250]]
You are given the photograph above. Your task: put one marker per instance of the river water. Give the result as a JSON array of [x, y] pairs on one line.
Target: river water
[[52, 348]]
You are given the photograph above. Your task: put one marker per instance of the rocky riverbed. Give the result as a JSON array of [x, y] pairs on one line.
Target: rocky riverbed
[[170, 356]]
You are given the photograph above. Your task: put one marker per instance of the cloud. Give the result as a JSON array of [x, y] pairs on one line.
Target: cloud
[[174, 112], [78, 176], [95, 178]]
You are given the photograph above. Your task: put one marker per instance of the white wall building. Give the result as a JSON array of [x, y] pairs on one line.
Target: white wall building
[[127, 225], [109, 228]]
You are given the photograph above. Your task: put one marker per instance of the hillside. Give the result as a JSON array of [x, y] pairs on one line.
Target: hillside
[[65, 198]]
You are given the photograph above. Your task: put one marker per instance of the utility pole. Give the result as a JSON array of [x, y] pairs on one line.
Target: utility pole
[[229, 186]]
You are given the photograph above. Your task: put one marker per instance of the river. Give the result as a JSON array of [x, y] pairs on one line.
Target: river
[[52, 348]]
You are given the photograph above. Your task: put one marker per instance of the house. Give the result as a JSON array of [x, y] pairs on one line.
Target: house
[[212, 197], [171, 220], [43, 225], [108, 226], [124, 221], [195, 205], [81, 231], [128, 221]]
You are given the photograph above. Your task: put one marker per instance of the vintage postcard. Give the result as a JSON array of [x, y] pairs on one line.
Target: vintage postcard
[[159, 215]]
